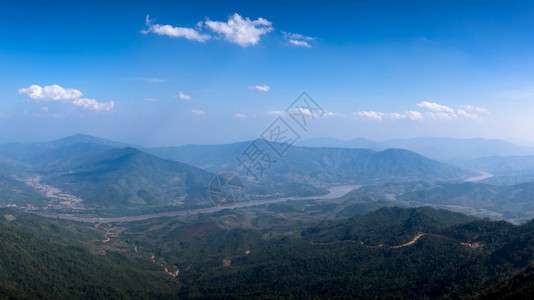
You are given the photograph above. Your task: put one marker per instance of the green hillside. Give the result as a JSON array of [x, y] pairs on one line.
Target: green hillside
[[130, 178], [12, 188], [509, 202], [279, 250], [35, 268]]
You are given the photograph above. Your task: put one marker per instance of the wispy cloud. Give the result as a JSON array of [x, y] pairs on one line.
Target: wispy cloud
[[57, 93], [435, 107], [472, 108], [468, 115], [276, 113], [240, 116], [434, 111], [263, 88], [182, 96], [472, 112], [92, 104], [299, 43], [198, 112], [241, 31], [296, 39], [175, 32], [370, 115], [414, 115], [379, 116], [301, 112], [440, 115], [151, 99]]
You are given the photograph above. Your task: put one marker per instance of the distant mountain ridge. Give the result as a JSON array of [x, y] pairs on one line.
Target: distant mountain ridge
[[326, 165], [501, 164], [443, 149], [65, 148]]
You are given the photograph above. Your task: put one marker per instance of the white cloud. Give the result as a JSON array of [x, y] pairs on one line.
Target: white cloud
[[331, 114], [443, 112], [370, 115], [299, 43], [472, 112], [435, 107], [414, 115], [240, 116], [171, 31], [263, 88], [92, 104], [297, 39], [311, 113], [183, 96], [276, 113], [57, 93], [151, 99], [441, 115], [395, 116], [379, 116], [304, 112], [241, 31], [465, 114], [474, 108], [50, 93], [198, 112], [297, 36]]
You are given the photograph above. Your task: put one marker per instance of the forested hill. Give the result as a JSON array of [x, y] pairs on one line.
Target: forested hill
[[392, 252]]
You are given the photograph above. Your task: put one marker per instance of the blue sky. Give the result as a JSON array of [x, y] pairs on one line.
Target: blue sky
[[170, 72]]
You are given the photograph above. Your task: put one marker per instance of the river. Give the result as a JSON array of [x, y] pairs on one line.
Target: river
[[483, 175], [333, 192]]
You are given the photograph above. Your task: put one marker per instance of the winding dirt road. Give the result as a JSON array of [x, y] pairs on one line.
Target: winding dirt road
[[417, 237]]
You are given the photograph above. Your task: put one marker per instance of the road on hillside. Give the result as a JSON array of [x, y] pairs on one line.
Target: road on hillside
[[333, 192]]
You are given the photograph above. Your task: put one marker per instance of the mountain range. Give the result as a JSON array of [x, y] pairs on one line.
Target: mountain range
[[442, 149], [84, 174], [93, 176], [319, 165]]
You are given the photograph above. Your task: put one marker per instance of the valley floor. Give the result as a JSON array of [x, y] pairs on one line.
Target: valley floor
[[333, 192]]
